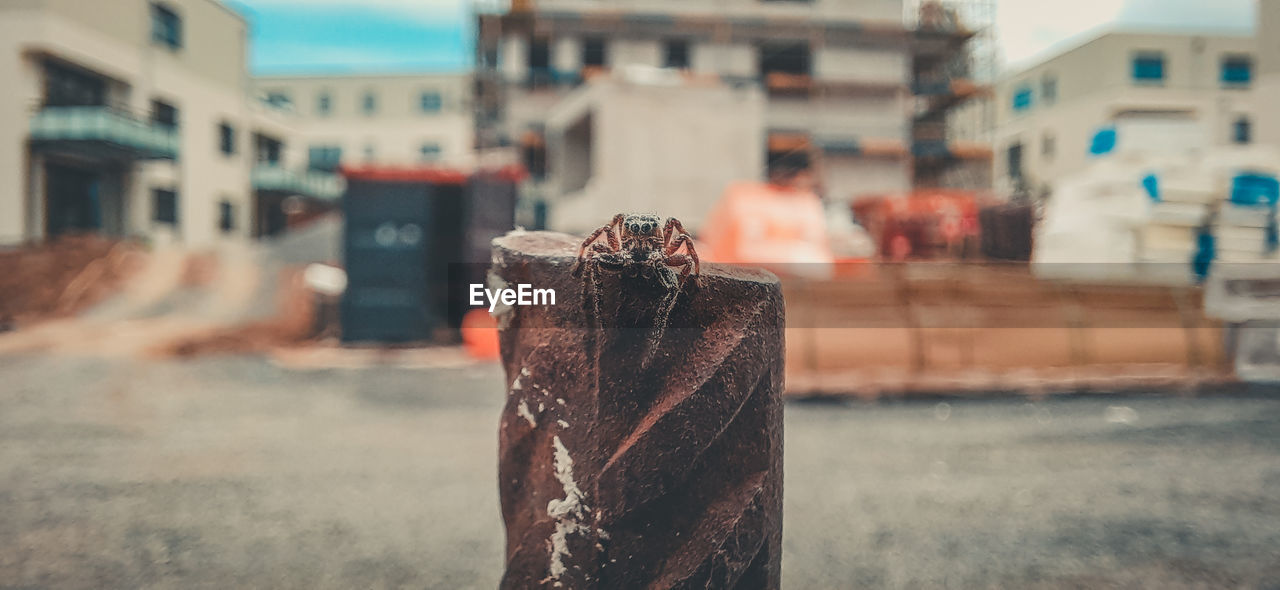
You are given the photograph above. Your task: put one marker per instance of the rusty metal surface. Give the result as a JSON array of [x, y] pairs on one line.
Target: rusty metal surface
[[613, 476]]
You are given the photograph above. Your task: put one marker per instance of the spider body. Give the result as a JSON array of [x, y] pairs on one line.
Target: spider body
[[641, 238]]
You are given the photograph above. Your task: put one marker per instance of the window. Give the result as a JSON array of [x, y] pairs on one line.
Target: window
[[430, 152], [226, 217], [1148, 68], [431, 102], [1241, 131], [676, 54], [164, 114], [1015, 161], [370, 103], [166, 26], [1049, 89], [533, 153], [67, 86], [1237, 71], [324, 104], [539, 53], [1022, 99], [324, 158], [267, 150], [1048, 145], [164, 206], [785, 68], [594, 52], [786, 156], [227, 138], [539, 62], [279, 99], [784, 58]]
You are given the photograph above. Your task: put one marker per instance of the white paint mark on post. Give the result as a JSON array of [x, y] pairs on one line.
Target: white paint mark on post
[[567, 513], [523, 412]]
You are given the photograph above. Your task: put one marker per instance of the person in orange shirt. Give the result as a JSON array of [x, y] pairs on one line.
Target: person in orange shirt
[[780, 225]]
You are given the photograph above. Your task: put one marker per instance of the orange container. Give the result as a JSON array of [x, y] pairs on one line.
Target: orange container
[[480, 334]]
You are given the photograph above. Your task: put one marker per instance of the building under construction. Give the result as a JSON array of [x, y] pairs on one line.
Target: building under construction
[[862, 93]]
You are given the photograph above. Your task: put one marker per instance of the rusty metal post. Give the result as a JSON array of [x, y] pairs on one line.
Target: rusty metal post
[[618, 473]]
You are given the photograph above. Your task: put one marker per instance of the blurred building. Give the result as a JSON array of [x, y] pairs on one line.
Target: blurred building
[[1047, 113], [377, 119], [838, 81], [134, 117]]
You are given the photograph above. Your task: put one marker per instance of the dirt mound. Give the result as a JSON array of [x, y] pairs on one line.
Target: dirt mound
[[294, 324], [62, 277]]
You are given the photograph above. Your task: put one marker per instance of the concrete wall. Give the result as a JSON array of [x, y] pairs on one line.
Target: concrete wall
[[846, 178], [1267, 86], [670, 150], [213, 36], [860, 64], [880, 117], [21, 93], [398, 128], [729, 59]]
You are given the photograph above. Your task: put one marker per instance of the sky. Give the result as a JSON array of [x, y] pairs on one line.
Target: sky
[[333, 36]]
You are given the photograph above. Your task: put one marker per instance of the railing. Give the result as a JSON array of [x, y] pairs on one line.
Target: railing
[[105, 123], [310, 183]]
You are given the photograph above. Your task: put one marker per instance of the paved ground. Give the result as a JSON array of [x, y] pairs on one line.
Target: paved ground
[[224, 473]]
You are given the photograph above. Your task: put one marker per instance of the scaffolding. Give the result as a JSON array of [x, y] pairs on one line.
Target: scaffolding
[[955, 64]]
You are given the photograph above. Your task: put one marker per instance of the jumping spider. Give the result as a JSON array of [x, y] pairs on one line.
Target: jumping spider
[[637, 238]]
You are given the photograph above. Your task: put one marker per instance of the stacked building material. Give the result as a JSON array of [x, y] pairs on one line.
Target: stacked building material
[[1182, 195], [1163, 219]]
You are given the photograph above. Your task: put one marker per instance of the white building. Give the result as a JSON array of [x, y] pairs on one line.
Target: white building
[[1048, 113], [134, 117], [405, 119]]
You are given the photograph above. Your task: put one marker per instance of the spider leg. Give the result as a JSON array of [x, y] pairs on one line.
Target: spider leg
[[687, 242], [657, 268], [672, 228], [609, 231], [684, 263], [661, 315], [615, 231]]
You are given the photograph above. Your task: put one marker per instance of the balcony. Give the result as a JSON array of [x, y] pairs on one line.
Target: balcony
[[939, 149], [864, 147], [317, 185], [787, 84], [102, 132], [940, 94]]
